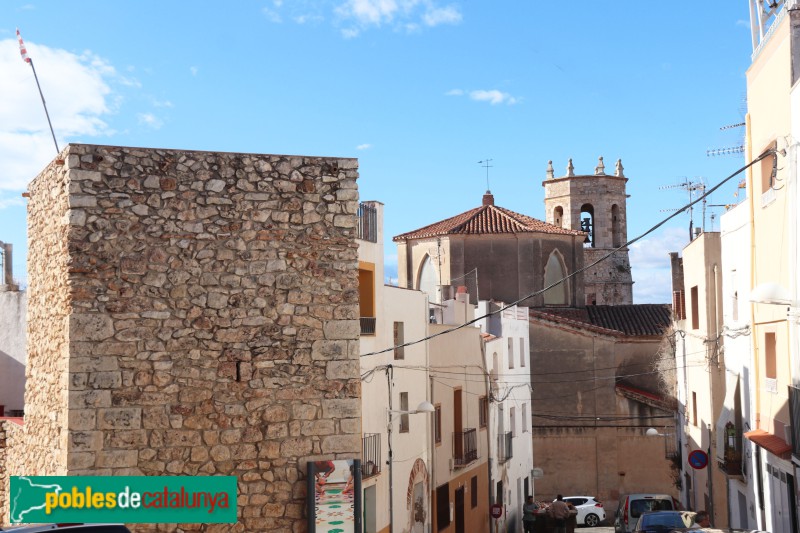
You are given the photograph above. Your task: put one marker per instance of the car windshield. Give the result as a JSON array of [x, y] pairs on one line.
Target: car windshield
[[643, 506]]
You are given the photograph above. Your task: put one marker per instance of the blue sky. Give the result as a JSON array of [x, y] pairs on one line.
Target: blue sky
[[418, 90]]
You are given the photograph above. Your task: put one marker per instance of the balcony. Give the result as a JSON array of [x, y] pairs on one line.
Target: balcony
[[505, 447], [368, 325], [370, 455], [367, 229], [465, 447], [732, 466]]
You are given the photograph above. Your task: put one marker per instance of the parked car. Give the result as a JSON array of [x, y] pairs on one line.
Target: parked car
[[590, 511], [663, 521], [632, 506], [68, 528]]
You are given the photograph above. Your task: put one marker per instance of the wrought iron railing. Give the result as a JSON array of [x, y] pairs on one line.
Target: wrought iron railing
[[367, 223], [368, 325], [370, 455], [505, 446], [465, 447]]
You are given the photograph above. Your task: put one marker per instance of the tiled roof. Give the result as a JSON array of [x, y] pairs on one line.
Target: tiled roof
[[773, 443], [486, 220], [640, 320]]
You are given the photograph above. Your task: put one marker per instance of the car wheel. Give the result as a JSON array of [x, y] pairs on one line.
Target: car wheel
[[591, 520]]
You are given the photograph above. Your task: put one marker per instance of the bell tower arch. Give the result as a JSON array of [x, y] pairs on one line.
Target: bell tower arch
[[595, 204]]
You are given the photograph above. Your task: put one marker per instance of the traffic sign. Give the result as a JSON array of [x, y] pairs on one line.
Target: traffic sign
[[698, 459], [496, 510]]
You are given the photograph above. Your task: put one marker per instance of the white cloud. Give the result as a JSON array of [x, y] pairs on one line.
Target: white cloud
[[272, 15], [650, 264], [454, 92], [446, 15], [364, 146], [162, 103], [77, 108], [150, 120], [8, 201], [193, 70], [403, 15], [742, 22], [493, 96]]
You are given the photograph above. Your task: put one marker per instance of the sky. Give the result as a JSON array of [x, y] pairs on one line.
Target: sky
[[419, 91]]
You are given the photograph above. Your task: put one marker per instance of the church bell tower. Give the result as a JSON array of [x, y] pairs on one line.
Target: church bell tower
[[596, 204]]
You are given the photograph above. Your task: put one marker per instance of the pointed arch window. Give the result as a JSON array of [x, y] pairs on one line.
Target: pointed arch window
[[427, 281], [553, 272]]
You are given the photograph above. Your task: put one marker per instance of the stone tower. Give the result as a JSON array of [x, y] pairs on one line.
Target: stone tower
[[595, 203]]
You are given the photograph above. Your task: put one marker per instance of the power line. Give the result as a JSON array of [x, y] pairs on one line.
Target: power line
[[580, 270]]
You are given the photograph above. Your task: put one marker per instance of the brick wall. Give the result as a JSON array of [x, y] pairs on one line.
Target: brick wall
[[194, 313]]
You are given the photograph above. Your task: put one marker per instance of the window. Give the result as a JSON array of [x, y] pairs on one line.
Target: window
[[522, 353], [695, 308], [524, 417], [427, 280], [473, 491], [442, 506], [404, 426], [770, 344], [554, 271], [483, 411], [495, 365], [558, 216], [399, 338], [437, 424], [694, 409], [366, 293], [587, 224], [499, 493], [510, 353], [513, 415]]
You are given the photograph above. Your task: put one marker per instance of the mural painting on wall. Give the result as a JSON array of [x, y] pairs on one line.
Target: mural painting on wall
[[334, 496]]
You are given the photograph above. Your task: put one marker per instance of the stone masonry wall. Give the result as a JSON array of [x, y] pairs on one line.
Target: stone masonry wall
[[211, 304], [11, 461]]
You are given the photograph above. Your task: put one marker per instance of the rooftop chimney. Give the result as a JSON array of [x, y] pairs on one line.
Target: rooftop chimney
[[488, 198], [8, 273]]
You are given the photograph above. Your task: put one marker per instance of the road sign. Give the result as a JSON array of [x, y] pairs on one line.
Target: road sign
[[698, 459], [497, 510]]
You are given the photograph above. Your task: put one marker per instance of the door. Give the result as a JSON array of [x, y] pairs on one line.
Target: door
[[780, 500], [370, 525], [460, 510]]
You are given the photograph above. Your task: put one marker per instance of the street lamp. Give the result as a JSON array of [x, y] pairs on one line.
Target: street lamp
[[423, 407]]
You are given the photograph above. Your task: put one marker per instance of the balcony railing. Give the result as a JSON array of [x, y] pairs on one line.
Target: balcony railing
[[465, 447], [505, 447], [367, 229], [370, 455], [368, 325], [732, 465]]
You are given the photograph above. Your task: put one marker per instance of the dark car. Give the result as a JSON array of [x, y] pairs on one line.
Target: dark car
[[663, 521], [68, 528]]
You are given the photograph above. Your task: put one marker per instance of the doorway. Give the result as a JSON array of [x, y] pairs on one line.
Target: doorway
[[460, 510]]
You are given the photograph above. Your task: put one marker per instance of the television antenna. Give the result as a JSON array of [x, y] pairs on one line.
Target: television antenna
[[485, 163], [693, 188]]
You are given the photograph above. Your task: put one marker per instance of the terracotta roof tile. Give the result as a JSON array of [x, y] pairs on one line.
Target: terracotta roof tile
[[772, 443], [486, 220]]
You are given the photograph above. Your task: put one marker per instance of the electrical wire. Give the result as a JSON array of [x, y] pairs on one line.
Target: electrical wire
[[679, 211]]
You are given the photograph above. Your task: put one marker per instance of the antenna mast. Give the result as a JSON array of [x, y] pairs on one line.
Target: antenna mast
[[691, 187], [485, 163]]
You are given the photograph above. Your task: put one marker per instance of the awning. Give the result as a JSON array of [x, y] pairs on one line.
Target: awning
[[728, 412], [772, 443]]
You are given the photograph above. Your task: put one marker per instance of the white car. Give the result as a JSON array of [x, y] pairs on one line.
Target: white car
[[590, 511]]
